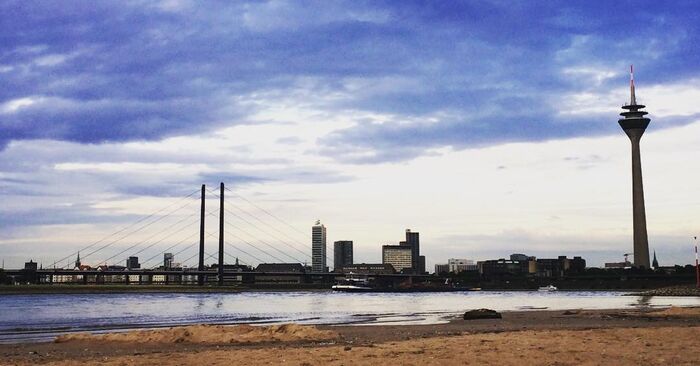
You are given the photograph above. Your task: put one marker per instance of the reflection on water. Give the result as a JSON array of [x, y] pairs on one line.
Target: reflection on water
[[38, 316]]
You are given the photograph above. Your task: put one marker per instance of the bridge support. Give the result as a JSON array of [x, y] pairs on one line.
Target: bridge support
[[200, 278], [221, 236]]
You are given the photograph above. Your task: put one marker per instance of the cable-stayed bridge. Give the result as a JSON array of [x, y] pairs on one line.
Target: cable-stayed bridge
[[244, 236]]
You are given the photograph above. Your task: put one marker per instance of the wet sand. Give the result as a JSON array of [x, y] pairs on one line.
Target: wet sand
[[619, 337]]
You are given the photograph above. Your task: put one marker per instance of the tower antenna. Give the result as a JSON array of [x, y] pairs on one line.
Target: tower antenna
[[633, 99]]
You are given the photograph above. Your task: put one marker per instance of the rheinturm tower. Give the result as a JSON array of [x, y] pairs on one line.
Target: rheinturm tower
[[634, 125]]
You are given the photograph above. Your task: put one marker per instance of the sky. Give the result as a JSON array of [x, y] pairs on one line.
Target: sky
[[489, 127]]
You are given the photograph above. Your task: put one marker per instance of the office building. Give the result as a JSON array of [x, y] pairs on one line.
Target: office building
[[318, 248], [399, 256], [413, 241], [133, 263], [168, 259], [342, 254], [503, 268], [442, 268], [456, 265], [519, 257]]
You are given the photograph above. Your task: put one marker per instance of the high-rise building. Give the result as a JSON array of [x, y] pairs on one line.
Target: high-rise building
[[634, 124], [399, 256], [133, 263], [168, 259], [342, 254], [413, 241], [318, 247]]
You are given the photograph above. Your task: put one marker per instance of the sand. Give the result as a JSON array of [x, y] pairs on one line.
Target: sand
[[590, 337], [675, 311], [210, 334], [621, 346]]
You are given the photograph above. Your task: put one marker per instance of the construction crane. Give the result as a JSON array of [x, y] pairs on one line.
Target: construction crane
[[626, 257]]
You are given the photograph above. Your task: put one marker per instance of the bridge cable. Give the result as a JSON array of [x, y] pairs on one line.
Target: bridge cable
[[305, 254], [137, 230], [153, 236], [125, 228], [330, 260]]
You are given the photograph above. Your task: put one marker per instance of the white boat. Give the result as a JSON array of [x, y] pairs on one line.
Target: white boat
[[351, 288], [548, 288], [353, 284]]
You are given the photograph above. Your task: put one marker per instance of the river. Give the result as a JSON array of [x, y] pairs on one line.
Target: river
[[41, 317]]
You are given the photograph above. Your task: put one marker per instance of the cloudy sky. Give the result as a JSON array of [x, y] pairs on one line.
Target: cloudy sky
[[489, 127]]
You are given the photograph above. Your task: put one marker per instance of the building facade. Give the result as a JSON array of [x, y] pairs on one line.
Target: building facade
[[369, 268], [133, 263], [318, 248], [168, 259], [413, 241], [442, 268], [399, 256], [342, 254], [456, 265]]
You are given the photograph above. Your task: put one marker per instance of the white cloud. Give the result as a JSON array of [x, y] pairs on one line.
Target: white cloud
[[15, 105], [662, 100]]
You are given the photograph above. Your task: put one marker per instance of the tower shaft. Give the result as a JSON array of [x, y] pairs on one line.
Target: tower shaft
[[641, 240], [634, 124]]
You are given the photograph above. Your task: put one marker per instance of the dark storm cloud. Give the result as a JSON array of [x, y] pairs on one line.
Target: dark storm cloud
[[92, 72]]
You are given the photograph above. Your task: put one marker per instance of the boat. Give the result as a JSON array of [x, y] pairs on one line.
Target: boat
[[353, 283], [549, 288], [363, 283]]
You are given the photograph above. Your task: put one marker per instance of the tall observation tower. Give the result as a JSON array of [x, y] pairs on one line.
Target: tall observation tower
[[634, 125]]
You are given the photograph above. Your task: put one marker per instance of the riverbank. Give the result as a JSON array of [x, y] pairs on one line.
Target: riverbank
[[121, 289], [213, 289], [671, 291], [618, 337]]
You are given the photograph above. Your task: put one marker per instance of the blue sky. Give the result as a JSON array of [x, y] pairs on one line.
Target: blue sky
[[110, 107]]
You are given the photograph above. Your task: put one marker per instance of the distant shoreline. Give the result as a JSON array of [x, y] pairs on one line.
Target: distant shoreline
[[120, 289], [681, 291]]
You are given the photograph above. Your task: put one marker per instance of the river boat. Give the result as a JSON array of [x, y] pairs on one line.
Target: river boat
[[549, 288], [362, 283], [353, 284]]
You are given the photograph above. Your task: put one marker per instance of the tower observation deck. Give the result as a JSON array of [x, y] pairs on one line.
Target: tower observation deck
[[634, 124]]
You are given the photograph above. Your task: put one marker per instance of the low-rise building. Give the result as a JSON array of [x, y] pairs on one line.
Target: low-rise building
[[369, 268], [442, 269], [270, 268], [456, 265], [503, 267]]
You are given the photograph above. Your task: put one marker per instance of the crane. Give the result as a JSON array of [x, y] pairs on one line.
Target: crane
[[626, 257]]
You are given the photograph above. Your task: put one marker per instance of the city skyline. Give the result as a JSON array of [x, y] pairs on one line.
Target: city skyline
[[495, 140]]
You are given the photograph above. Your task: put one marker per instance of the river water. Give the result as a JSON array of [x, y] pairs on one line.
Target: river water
[[41, 317]]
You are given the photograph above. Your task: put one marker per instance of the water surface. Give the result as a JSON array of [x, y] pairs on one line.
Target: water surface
[[40, 317]]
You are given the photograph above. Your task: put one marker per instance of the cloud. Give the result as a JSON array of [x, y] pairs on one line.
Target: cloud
[[112, 72]]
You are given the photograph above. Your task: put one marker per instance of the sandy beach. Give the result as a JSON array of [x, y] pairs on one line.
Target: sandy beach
[[620, 337]]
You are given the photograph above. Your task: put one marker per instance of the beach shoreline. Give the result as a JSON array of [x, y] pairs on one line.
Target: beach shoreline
[[545, 325]]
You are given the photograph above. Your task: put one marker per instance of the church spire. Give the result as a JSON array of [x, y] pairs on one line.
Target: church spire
[[655, 263], [77, 261]]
